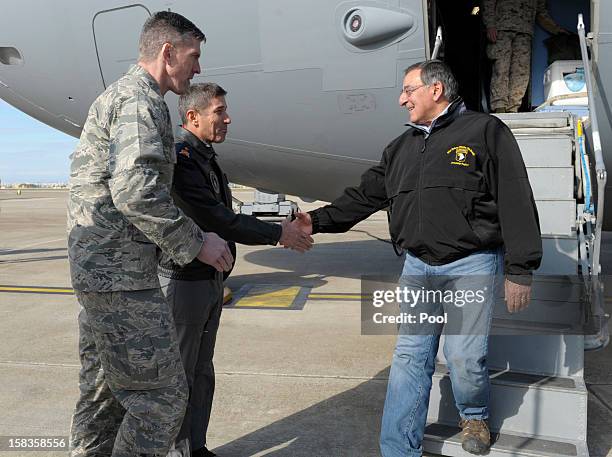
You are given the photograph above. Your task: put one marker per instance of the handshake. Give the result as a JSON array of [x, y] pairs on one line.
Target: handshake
[[296, 235]]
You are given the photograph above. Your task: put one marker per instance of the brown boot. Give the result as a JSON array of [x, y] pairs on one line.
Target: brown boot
[[475, 438]]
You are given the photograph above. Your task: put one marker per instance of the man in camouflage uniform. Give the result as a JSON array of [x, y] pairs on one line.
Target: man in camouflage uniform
[[133, 390], [509, 26]]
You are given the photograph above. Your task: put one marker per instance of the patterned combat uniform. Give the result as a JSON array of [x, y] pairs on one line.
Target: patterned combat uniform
[[133, 390], [514, 21]]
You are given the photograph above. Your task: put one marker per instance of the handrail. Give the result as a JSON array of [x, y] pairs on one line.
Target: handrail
[[600, 166], [437, 44]]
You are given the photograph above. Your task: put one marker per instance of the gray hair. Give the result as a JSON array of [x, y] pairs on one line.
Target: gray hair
[[165, 27], [198, 96], [433, 71]]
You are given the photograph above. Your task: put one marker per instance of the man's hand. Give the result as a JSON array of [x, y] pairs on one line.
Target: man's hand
[[304, 222], [216, 252], [294, 237], [517, 296], [492, 34]]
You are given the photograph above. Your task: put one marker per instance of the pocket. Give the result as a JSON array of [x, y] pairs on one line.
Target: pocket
[[139, 360], [144, 252], [446, 215]]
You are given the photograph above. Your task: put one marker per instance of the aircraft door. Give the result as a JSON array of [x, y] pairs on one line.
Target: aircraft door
[[116, 34]]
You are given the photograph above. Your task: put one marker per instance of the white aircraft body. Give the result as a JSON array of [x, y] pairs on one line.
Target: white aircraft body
[[313, 86]]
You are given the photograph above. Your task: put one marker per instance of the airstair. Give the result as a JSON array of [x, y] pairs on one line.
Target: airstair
[[536, 358]]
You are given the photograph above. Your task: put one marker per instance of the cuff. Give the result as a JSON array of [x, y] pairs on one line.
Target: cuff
[[523, 280], [315, 221], [192, 249]]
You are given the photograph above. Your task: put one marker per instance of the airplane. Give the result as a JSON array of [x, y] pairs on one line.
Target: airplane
[[312, 91], [312, 85]]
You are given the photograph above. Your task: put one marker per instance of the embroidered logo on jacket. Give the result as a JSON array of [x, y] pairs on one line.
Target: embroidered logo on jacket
[[460, 155], [215, 182], [185, 152]]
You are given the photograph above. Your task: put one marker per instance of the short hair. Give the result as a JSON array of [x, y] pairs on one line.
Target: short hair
[[433, 71], [165, 27], [198, 96]]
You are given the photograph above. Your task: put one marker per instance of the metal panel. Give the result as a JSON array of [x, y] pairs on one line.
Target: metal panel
[[552, 183], [541, 151], [560, 256], [555, 355], [557, 217]]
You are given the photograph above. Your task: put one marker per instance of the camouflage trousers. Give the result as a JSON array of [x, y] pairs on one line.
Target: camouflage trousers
[[511, 54], [133, 390]]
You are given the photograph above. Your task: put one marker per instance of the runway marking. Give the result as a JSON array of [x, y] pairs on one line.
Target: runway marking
[[8, 251], [36, 290], [336, 296], [259, 296], [268, 296]]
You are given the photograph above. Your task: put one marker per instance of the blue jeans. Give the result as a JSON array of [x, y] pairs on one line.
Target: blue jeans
[[410, 378]]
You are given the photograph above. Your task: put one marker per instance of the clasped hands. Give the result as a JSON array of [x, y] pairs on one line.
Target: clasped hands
[[296, 234]]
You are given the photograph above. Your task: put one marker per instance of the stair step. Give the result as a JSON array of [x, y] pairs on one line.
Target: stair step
[[535, 121], [521, 403], [521, 379], [446, 440]]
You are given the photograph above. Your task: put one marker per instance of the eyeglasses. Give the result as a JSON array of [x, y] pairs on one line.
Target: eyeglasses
[[410, 90]]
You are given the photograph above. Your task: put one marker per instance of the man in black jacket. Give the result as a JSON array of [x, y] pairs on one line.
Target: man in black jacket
[[463, 210], [195, 291]]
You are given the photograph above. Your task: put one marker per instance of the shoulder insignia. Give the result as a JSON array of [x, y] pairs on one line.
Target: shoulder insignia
[[185, 152]]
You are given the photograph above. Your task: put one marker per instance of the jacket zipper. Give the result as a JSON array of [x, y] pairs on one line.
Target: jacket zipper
[[419, 186]]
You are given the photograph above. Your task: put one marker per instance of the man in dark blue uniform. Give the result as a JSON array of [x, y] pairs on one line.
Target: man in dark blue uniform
[[195, 291]]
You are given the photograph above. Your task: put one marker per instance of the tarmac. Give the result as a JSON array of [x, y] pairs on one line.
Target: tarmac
[[295, 376]]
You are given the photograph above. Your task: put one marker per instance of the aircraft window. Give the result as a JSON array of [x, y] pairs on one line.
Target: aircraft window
[[10, 56]]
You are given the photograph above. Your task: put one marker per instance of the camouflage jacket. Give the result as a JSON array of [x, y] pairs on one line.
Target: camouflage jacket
[[517, 15], [119, 209]]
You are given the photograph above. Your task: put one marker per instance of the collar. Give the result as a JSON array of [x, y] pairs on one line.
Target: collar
[[137, 70], [185, 136], [451, 112]]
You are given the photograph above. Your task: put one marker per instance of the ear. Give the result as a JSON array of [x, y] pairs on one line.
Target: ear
[[438, 91], [192, 117], [167, 53]]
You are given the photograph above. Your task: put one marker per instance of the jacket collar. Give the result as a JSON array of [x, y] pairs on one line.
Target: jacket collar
[[452, 111], [137, 70], [185, 136]]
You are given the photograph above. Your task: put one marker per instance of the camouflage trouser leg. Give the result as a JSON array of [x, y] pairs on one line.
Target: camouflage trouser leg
[[511, 69], [520, 71], [130, 364]]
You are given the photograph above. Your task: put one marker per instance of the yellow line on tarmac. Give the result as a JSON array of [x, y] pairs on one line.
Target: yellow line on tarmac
[[336, 296], [36, 289]]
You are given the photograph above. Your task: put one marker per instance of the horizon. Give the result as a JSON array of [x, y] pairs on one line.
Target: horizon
[[30, 151]]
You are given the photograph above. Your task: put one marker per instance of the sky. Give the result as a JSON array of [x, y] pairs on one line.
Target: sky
[[31, 151]]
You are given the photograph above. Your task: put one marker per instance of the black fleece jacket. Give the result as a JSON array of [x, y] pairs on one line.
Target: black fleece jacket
[[461, 188], [200, 189]]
